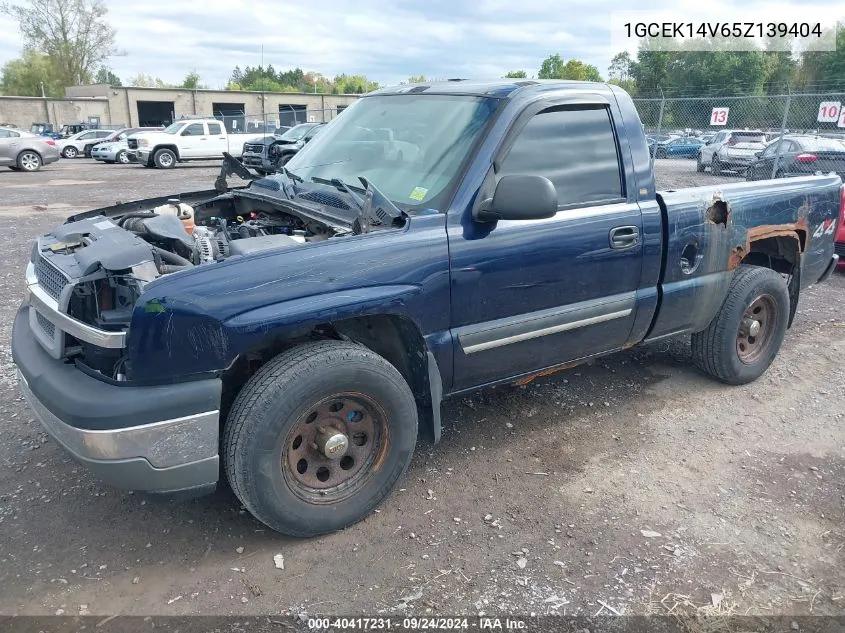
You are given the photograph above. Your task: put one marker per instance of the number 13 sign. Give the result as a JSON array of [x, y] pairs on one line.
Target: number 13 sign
[[719, 116]]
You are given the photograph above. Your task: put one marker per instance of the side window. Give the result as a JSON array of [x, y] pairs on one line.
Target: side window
[[312, 132], [771, 150], [86, 136], [214, 128], [575, 149], [5, 134], [194, 129], [13, 134], [103, 134]]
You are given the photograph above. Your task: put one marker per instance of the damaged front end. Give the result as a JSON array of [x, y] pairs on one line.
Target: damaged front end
[[85, 277]]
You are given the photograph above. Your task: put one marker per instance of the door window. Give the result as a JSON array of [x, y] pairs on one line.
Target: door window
[[575, 148], [214, 128], [194, 129]]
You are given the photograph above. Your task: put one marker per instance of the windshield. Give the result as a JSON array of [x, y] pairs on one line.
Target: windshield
[[173, 127], [410, 146], [296, 133]]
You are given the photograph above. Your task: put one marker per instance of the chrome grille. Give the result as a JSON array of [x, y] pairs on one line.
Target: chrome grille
[[133, 143], [45, 324], [254, 148], [50, 278]]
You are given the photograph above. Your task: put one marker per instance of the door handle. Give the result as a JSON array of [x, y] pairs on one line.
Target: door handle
[[624, 237]]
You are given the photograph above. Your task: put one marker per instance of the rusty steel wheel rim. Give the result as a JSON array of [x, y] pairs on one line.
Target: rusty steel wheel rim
[[756, 329], [333, 450]]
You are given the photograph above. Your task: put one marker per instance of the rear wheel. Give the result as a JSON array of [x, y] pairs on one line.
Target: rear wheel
[[29, 161], [749, 174], [715, 166], [699, 166], [70, 152], [318, 437], [744, 337]]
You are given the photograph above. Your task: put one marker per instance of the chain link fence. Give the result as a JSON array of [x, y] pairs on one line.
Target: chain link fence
[[754, 137]]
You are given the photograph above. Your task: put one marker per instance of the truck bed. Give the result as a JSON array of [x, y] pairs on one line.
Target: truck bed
[[708, 231]]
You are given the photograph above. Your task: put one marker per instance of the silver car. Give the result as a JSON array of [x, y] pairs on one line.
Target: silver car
[[22, 151], [115, 148]]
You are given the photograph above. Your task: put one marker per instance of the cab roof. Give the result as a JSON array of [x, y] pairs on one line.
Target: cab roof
[[502, 89]]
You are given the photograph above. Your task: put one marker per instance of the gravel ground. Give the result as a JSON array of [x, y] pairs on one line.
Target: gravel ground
[[632, 484]]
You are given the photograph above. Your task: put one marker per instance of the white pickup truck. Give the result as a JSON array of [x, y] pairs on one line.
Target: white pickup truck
[[188, 139]]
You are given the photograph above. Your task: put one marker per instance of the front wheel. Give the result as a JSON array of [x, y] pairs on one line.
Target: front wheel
[[70, 152], [122, 157], [318, 437], [744, 337], [699, 166], [164, 159]]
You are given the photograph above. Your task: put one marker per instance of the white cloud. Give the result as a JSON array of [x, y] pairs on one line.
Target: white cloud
[[388, 40]]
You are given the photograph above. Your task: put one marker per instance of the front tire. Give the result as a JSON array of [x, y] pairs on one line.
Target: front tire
[[699, 166], [70, 152], [164, 159], [279, 433], [744, 337], [122, 157]]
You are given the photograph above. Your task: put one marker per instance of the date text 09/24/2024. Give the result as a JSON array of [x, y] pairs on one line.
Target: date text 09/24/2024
[[480, 623]]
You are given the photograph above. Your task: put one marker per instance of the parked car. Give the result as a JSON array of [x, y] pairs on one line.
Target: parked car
[[313, 321], [186, 140], [267, 154], [74, 145], [23, 151], [799, 156], [684, 147], [730, 150], [115, 148]]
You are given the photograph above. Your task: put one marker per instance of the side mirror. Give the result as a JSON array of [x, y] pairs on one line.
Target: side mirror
[[520, 198]]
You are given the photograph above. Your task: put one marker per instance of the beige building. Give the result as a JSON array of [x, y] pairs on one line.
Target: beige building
[[159, 106]]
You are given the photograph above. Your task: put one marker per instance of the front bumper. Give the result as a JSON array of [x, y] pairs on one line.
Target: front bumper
[[161, 439], [834, 262], [142, 155], [101, 154]]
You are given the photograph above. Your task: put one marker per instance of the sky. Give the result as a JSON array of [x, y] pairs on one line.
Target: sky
[[387, 40]]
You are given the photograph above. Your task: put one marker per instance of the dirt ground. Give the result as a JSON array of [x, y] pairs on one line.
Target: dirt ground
[[633, 485]]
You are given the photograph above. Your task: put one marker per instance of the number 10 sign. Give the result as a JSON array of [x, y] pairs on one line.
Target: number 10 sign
[[829, 111], [719, 116]]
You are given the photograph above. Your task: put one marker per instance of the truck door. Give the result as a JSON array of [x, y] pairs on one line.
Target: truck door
[[532, 294], [217, 140], [193, 141]]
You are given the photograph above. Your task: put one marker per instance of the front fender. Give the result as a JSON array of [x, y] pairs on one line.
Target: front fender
[[173, 342]]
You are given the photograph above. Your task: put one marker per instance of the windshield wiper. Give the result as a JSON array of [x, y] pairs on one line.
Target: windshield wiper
[[287, 172]]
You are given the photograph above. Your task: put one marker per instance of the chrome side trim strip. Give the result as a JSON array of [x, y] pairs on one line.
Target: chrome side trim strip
[[49, 308], [563, 327], [163, 444]]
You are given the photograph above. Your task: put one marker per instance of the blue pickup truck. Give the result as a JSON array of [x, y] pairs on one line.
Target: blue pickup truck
[[300, 333]]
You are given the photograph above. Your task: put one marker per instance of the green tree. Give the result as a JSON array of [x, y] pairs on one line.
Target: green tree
[[73, 33], [417, 79], [516, 74], [352, 84], [192, 81], [142, 80], [824, 70], [551, 68], [106, 76], [25, 76]]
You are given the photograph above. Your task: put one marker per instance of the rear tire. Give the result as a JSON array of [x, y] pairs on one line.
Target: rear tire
[[164, 159], [274, 465], [725, 349], [715, 166], [29, 161], [699, 166], [70, 152]]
